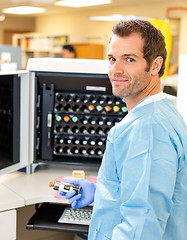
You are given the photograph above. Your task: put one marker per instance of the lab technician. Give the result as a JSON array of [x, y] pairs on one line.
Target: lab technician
[[68, 51], [141, 191]]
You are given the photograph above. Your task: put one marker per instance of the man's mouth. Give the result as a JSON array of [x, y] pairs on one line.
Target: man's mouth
[[119, 81]]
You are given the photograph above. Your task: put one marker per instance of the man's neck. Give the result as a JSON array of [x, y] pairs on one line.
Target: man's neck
[[152, 89]]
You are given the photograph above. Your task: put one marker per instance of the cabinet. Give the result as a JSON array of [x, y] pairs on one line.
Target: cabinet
[[89, 51], [9, 201], [8, 225]]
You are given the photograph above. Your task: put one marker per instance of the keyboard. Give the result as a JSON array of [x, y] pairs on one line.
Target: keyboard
[[76, 216]]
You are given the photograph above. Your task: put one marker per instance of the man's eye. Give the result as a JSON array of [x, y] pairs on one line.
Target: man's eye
[[111, 59], [130, 60]]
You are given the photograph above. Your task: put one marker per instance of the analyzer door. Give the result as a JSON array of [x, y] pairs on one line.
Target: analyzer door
[[14, 121]]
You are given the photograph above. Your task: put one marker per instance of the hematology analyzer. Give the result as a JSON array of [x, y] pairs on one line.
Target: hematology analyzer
[[59, 110], [72, 109]]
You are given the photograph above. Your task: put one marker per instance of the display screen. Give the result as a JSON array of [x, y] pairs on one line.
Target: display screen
[[9, 120]]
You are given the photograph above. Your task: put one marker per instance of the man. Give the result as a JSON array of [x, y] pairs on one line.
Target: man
[[141, 190], [68, 51]]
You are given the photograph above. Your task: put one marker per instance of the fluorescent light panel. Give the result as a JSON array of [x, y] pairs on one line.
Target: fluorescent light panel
[[81, 3], [20, 2], [23, 10], [116, 17]]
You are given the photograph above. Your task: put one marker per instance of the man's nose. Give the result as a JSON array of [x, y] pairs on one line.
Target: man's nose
[[118, 67]]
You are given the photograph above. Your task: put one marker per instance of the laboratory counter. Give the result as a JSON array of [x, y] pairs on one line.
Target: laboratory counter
[[18, 189]]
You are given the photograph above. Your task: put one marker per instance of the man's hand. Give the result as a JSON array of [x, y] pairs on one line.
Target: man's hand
[[86, 195]]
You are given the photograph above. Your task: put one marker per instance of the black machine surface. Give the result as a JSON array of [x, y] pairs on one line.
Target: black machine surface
[[73, 115], [46, 218], [9, 120]]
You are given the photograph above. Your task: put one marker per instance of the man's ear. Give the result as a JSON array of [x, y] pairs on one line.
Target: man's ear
[[156, 65]]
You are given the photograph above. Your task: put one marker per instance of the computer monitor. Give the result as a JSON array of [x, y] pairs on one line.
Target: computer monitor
[[14, 120]]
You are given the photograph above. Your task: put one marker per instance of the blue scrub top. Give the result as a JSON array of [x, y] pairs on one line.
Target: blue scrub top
[[142, 183]]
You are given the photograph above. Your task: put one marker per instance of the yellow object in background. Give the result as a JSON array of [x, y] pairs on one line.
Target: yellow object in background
[[78, 174], [163, 26]]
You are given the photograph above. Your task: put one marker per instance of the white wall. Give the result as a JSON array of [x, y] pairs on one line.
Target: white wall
[[77, 23], [21, 23], [183, 34]]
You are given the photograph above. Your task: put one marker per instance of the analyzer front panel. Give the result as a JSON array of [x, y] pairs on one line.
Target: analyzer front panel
[[74, 113]]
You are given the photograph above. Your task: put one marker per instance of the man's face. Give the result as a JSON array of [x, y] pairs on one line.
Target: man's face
[[127, 65], [67, 54]]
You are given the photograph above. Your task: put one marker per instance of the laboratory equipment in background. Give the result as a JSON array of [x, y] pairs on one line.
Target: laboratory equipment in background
[[10, 58]]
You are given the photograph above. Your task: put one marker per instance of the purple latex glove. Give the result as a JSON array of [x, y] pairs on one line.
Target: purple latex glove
[[86, 195]]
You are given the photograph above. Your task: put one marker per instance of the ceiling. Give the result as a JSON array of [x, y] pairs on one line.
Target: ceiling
[[52, 9]]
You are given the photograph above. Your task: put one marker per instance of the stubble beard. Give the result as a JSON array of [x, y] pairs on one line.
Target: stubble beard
[[135, 87]]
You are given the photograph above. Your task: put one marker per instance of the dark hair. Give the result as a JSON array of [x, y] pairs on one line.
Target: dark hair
[[70, 48], [154, 41]]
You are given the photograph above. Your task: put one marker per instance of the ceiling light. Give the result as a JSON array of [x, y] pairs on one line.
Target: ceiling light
[[115, 17], [31, 1], [81, 3], [23, 10]]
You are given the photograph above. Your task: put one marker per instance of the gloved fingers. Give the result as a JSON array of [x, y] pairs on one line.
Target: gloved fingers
[[77, 204], [70, 194], [61, 193], [74, 181], [75, 198], [74, 204]]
